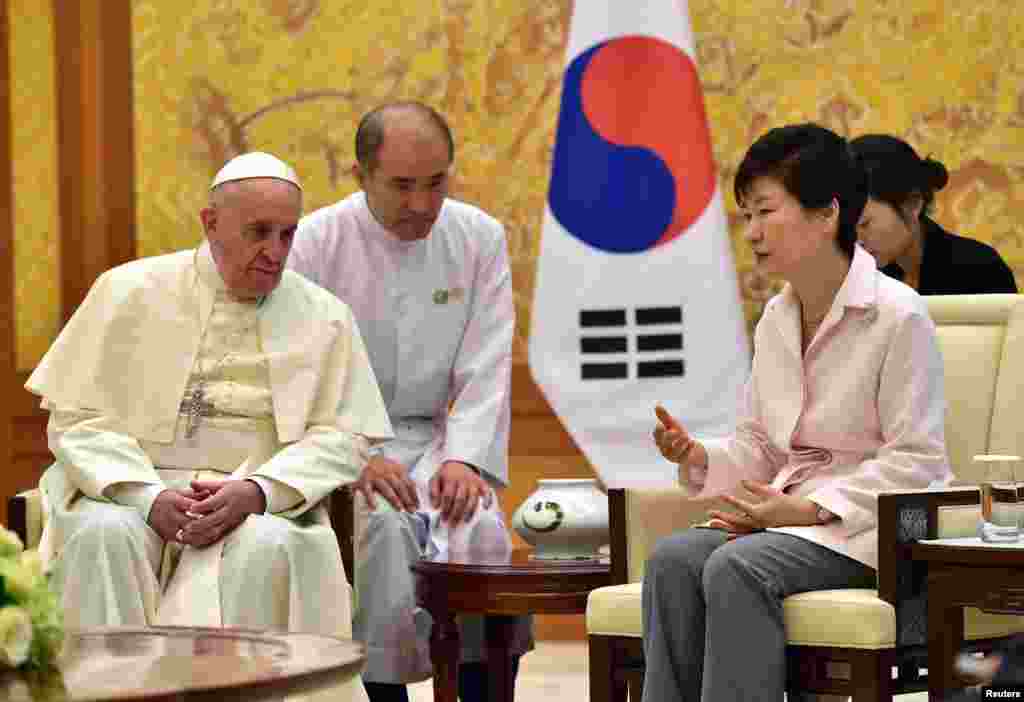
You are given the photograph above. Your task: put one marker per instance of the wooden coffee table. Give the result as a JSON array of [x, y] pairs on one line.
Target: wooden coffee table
[[501, 588], [964, 573], [179, 664]]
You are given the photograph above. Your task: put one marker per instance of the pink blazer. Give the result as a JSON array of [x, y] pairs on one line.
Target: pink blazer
[[861, 412]]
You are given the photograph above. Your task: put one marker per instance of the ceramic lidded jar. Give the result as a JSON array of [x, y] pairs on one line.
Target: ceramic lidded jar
[[564, 519]]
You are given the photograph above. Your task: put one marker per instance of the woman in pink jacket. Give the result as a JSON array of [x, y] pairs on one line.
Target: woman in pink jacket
[[845, 400]]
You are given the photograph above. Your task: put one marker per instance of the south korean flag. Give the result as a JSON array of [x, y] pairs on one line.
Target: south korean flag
[[636, 300]]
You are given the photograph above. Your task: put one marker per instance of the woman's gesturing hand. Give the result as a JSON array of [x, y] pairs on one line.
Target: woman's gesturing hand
[[671, 438]]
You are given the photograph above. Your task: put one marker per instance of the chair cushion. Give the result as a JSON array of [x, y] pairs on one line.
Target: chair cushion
[[615, 610], [849, 618], [982, 625], [852, 618]]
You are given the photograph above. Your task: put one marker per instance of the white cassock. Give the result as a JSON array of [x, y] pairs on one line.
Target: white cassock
[[438, 318], [291, 403]]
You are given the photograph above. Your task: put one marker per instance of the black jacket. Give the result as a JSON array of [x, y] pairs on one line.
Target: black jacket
[[956, 265]]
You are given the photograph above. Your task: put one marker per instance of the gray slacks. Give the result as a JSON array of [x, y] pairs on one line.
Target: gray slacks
[[387, 620], [712, 611]]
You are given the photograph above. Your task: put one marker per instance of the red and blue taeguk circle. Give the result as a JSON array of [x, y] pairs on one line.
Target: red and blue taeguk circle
[[632, 166]]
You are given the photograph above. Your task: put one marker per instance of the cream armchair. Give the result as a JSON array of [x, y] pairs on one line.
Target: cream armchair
[[868, 644]]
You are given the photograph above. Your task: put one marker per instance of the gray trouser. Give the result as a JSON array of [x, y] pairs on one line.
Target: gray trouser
[[712, 611], [387, 620]]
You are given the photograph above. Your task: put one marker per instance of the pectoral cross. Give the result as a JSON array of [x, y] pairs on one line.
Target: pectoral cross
[[195, 407]]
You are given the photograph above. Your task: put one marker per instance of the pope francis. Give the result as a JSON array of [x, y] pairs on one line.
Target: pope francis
[[202, 405]]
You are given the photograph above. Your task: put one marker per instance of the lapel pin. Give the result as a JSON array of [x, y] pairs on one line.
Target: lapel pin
[[443, 296]]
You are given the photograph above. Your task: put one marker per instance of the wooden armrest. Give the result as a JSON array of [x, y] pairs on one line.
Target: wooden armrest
[[341, 507], [24, 516], [904, 516]]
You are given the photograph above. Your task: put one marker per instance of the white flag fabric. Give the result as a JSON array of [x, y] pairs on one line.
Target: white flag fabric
[[636, 301]]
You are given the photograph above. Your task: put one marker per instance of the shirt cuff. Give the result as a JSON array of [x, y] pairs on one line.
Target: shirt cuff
[[279, 497], [694, 477], [852, 519], [464, 462], [138, 495]]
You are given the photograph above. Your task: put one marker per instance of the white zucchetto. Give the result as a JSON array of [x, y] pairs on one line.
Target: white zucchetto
[[255, 164]]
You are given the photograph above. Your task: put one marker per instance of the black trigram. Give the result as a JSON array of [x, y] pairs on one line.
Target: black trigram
[[645, 342]]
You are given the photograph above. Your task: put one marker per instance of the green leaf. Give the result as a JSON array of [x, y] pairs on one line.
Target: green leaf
[[5, 597]]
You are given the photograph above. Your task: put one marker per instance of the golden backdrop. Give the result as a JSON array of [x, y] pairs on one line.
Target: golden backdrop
[[292, 76], [217, 77], [35, 217]]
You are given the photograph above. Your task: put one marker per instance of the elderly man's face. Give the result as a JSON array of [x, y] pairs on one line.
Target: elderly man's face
[[250, 225], [406, 189]]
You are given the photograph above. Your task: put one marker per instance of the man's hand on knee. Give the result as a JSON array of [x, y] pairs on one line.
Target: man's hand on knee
[[169, 514], [227, 506], [389, 480], [456, 489]]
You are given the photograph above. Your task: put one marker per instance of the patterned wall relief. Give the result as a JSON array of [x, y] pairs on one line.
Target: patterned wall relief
[[217, 78], [944, 76], [214, 78], [35, 216]]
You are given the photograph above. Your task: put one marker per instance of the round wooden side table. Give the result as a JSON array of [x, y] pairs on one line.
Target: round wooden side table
[[500, 588], [184, 664]]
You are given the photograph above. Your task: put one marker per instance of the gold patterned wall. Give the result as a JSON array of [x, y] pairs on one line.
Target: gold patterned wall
[[946, 76], [217, 77], [36, 218]]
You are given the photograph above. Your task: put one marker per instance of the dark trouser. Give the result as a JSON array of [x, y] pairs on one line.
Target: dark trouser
[[712, 612], [472, 685]]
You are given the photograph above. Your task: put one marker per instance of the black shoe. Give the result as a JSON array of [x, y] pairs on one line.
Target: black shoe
[[473, 680], [386, 692]]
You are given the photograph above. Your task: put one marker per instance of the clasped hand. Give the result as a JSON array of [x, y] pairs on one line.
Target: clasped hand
[[456, 489], [771, 508], [205, 512]]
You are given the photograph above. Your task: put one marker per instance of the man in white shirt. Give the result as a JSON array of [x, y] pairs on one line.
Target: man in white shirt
[[203, 404], [429, 281]]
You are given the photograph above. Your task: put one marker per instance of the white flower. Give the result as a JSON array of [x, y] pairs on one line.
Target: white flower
[[10, 543], [32, 564], [18, 579], [15, 636]]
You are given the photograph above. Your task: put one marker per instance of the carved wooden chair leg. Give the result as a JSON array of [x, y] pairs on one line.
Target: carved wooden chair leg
[[636, 686], [605, 684], [872, 674]]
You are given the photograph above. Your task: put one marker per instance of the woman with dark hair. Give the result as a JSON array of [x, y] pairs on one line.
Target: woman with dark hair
[[908, 245], [845, 400]]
